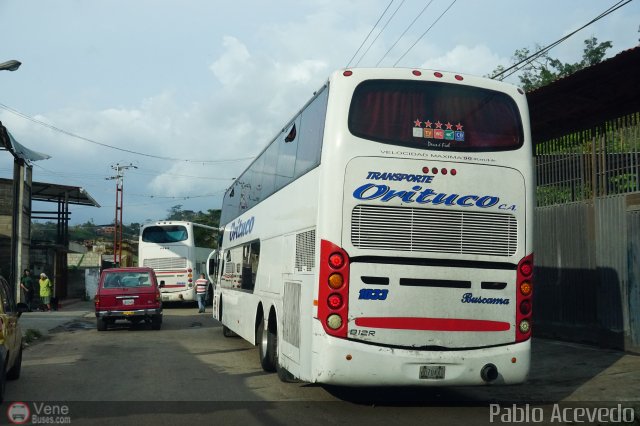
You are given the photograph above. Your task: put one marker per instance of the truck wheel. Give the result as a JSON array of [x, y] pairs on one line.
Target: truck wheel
[[101, 324]]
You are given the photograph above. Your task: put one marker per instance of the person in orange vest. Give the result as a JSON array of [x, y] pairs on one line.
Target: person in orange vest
[[201, 292]]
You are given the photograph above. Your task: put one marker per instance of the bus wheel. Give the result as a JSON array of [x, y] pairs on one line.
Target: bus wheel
[[267, 347], [226, 331], [284, 375]]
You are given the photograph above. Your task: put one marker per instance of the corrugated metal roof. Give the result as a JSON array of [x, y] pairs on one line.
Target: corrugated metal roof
[[587, 98]]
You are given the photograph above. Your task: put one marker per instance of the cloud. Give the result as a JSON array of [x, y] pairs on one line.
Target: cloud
[[234, 64], [477, 60]]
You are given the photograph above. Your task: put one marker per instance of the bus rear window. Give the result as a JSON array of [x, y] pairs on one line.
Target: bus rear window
[[164, 234], [433, 115]]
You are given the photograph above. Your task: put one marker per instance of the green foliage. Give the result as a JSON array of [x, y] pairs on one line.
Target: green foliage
[[210, 218], [48, 231], [31, 335], [624, 183], [543, 69]]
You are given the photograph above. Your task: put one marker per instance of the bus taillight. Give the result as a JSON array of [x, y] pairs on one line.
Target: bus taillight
[[333, 291], [334, 301], [524, 293], [336, 260]]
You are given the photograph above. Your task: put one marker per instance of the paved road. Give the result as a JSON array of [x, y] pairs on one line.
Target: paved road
[[188, 372]]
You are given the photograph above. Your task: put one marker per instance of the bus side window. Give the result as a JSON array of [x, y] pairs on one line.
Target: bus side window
[[250, 258]]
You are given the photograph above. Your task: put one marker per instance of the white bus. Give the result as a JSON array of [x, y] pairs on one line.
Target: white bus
[[177, 251], [384, 237]]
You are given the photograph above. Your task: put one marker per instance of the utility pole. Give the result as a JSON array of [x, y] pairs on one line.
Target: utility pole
[[117, 229]]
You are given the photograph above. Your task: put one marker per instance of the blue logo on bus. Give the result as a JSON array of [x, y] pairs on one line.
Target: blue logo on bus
[[420, 195], [240, 228]]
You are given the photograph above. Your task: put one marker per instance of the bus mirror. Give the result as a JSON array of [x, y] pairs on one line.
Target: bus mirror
[[161, 284]]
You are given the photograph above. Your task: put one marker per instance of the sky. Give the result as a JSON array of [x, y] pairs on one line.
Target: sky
[[206, 84]]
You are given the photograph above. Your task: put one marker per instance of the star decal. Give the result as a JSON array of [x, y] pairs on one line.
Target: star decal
[[417, 123], [448, 125], [438, 125], [427, 123], [458, 126]]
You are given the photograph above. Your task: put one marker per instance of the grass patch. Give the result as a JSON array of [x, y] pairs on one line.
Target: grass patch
[[31, 335]]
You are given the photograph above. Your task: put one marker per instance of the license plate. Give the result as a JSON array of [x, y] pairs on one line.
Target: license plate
[[127, 301], [127, 313], [435, 372]]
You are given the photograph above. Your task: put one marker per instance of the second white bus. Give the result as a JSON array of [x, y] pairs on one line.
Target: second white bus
[[384, 237], [178, 252]]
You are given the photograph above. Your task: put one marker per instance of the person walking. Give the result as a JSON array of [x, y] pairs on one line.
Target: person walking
[[45, 290], [201, 292], [26, 283]]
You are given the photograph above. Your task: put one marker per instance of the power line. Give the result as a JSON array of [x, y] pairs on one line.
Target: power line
[[425, 33], [367, 37], [532, 57], [381, 31], [405, 31], [180, 197], [73, 135]]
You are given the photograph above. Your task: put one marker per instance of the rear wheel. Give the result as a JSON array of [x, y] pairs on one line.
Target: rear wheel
[[14, 372], [267, 346], [156, 322], [101, 324], [284, 375]]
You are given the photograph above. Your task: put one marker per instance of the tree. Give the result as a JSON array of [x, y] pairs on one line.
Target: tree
[[210, 218], [542, 69]]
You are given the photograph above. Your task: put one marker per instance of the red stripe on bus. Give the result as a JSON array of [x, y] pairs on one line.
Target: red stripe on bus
[[432, 324], [170, 272]]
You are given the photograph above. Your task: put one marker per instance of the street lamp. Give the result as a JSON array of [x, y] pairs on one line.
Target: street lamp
[[11, 65], [18, 192]]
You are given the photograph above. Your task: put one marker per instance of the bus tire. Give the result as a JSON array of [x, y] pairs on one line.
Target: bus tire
[[267, 347], [226, 331], [284, 375]]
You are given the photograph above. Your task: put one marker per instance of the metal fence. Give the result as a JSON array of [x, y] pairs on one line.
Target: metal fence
[[587, 235], [591, 163]]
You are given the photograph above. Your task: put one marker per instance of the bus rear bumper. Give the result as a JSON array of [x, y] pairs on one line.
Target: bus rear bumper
[[350, 363], [179, 296]]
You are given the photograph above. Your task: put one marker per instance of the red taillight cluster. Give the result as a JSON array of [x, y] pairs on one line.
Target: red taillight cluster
[[333, 293], [524, 294]]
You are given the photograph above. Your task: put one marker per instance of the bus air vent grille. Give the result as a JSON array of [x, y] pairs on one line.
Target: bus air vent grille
[[166, 263], [437, 231], [305, 251]]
